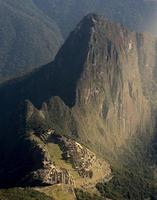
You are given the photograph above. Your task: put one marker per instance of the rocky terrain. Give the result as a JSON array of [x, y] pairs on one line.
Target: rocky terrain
[[65, 161], [92, 108], [84, 160]]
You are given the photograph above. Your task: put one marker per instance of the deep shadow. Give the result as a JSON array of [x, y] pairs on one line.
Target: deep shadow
[[55, 79]]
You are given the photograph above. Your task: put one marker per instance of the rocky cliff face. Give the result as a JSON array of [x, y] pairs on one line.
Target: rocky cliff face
[[113, 98], [100, 91], [112, 94]]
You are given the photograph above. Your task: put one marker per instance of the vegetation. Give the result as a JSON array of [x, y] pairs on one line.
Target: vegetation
[[129, 186], [22, 194], [133, 176], [61, 78], [58, 192], [83, 195], [28, 38]]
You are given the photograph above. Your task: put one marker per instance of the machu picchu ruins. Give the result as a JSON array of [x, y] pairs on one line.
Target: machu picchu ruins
[[82, 161]]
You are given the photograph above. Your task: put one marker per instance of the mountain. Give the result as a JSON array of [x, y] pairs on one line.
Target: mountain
[[30, 31], [28, 38], [131, 13], [94, 105]]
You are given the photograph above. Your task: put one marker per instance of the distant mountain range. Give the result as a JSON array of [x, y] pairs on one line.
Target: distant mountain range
[[28, 38]]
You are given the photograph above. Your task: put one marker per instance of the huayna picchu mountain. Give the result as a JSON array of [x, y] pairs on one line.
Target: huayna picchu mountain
[[98, 94]]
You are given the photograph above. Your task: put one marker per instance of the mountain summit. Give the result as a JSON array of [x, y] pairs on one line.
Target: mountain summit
[[130, 13], [98, 93]]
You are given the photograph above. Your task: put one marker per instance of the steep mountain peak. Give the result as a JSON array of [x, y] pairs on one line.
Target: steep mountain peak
[[95, 18], [101, 32], [92, 18], [92, 92]]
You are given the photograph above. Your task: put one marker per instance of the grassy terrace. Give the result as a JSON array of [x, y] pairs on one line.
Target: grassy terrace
[[58, 192], [56, 155]]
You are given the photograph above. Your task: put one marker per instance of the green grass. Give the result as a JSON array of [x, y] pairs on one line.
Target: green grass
[[56, 156], [58, 192], [22, 194]]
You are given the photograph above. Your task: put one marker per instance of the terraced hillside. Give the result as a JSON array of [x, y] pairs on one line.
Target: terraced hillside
[[67, 162]]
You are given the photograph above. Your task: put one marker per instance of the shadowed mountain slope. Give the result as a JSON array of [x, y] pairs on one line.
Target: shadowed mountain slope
[[28, 38]]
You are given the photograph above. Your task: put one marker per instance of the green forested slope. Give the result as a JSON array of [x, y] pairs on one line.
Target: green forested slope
[[28, 38]]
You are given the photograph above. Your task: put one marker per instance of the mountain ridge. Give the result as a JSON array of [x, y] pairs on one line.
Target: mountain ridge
[[111, 51], [25, 28], [95, 93]]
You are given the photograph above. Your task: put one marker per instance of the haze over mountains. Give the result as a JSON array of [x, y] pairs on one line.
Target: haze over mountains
[[28, 38], [135, 14], [30, 30]]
